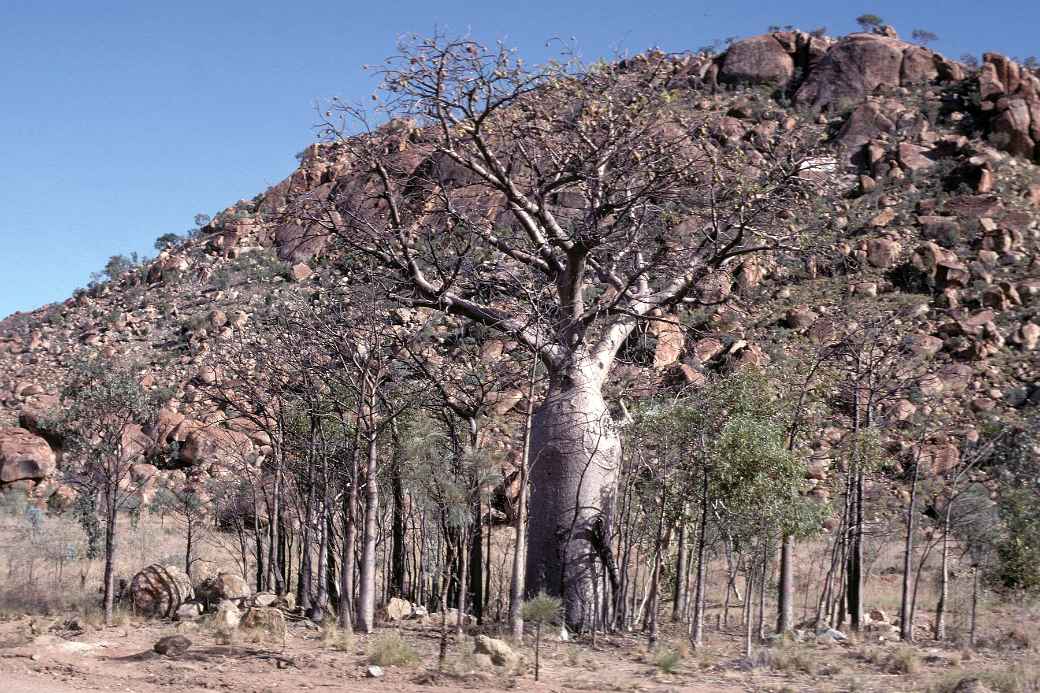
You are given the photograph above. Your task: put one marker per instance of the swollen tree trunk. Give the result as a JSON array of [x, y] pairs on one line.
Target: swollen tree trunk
[[575, 450], [366, 616]]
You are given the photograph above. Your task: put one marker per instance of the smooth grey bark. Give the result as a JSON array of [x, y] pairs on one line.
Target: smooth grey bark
[[366, 616], [346, 566], [655, 580], [905, 626], [110, 561], [944, 576], [575, 453], [679, 591], [697, 622], [518, 580]]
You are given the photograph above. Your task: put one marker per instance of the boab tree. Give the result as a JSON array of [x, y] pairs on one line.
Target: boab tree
[[493, 180]]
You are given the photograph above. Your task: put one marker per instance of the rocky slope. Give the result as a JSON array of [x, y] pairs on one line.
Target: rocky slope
[[934, 206]]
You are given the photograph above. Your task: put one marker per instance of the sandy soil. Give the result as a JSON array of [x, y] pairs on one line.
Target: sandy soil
[[121, 659]]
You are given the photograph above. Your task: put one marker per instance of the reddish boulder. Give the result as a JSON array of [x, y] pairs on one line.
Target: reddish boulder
[[757, 60], [853, 68], [24, 456]]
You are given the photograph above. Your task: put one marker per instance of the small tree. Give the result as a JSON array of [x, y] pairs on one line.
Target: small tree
[[540, 610], [104, 405], [166, 240], [189, 504], [868, 22], [923, 37]]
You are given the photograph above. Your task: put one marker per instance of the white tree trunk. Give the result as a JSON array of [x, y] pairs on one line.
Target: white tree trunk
[[366, 616], [575, 452]]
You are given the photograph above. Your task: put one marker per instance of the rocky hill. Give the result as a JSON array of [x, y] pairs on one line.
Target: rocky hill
[[933, 200]]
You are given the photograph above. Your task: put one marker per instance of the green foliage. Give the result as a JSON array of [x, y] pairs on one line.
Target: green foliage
[[1018, 552], [166, 240], [733, 431], [542, 609], [869, 21], [85, 512], [258, 266], [923, 37]]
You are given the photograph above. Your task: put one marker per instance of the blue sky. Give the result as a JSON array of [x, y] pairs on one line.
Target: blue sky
[[119, 121]]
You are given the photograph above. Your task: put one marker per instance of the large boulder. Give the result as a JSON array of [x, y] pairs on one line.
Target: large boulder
[[757, 60], [398, 609], [854, 67], [1012, 96], [24, 456], [265, 621], [231, 586], [499, 651], [159, 591]]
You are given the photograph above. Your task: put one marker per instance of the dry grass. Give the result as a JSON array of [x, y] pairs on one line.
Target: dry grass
[[786, 657], [667, 659], [390, 649], [332, 638], [1014, 679]]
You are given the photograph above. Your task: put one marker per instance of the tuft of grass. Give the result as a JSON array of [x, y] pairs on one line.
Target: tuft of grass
[[901, 660], [786, 658], [1017, 679], [390, 649], [667, 660], [332, 638]]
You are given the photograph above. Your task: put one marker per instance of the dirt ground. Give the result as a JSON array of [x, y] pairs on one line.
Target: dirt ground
[[121, 659], [43, 655]]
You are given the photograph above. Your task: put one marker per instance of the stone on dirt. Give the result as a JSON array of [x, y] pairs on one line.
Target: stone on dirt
[[267, 620], [500, 652], [398, 609], [174, 645], [228, 616], [159, 591], [188, 611]]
